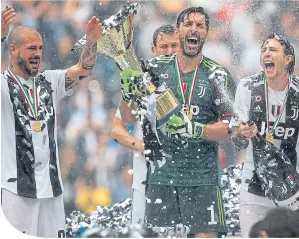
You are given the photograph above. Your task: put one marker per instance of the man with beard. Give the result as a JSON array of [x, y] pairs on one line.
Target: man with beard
[[183, 183], [31, 185], [165, 41], [270, 99]]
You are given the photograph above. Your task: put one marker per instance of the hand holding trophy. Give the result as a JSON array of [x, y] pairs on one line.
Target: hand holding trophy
[[116, 43]]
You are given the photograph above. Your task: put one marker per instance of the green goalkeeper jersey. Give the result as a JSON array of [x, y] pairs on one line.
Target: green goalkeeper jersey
[[207, 93]]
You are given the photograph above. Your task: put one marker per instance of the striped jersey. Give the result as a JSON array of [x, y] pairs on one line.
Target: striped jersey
[[29, 155], [268, 108]]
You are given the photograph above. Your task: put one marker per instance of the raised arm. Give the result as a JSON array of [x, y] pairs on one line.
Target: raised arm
[[8, 17], [87, 60]]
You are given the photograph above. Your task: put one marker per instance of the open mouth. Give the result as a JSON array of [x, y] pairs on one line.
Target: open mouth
[[34, 63], [192, 41], [269, 66]]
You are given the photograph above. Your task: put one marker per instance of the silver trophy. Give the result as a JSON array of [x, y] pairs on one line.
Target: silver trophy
[[116, 43]]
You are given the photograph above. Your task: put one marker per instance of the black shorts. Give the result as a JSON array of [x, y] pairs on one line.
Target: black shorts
[[200, 208]]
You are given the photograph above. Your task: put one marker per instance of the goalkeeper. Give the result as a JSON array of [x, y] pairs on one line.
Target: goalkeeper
[[183, 182]]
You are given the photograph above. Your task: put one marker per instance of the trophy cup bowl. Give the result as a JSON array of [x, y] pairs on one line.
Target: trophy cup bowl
[[116, 43]]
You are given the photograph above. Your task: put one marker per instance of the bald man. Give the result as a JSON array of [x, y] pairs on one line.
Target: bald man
[[31, 186]]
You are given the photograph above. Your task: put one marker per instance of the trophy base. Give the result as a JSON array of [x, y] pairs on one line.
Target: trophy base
[[166, 117]]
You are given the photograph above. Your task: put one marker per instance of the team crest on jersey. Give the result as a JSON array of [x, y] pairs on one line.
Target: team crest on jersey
[[275, 110], [295, 113], [202, 91]]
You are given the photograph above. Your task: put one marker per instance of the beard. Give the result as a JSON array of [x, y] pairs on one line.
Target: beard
[[22, 63], [189, 52]]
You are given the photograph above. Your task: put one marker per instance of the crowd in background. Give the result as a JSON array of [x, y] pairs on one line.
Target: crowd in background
[[96, 169]]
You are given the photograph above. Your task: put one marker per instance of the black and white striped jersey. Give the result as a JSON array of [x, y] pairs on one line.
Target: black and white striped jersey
[[29, 158], [250, 105]]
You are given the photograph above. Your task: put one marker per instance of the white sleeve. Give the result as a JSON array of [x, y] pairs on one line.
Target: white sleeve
[[5, 97], [242, 101], [57, 79]]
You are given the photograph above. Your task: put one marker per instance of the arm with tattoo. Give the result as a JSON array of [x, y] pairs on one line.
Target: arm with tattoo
[[88, 56], [87, 59], [70, 84]]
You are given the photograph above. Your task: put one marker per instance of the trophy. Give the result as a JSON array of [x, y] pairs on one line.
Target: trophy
[[116, 43]]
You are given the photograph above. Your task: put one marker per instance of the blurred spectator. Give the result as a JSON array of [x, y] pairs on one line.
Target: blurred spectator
[[89, 197], [214, 44], [125, 181]]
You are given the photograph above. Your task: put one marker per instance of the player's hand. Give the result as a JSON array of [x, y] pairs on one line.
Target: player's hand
[[129, 83], [247, 130], [8, 17], [240, 142], [94, 29], [180, 125], [241, 135]]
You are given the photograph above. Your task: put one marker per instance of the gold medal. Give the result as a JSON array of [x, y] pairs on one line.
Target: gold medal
[[188, 113], [270, 138], [36, 126]]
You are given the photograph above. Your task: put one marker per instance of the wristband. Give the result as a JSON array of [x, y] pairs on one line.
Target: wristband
[[198, 130]]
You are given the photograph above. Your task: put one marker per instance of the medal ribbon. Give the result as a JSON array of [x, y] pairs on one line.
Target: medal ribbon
[[267, 108], [33, 104], [181, 83]]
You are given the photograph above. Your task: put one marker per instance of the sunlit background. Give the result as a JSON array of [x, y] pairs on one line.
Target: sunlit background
[[94, 167]]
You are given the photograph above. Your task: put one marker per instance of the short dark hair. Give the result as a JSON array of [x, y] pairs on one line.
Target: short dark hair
[[191, 10], [279, 222], [15, 36], [256, 229], [165, 29], [288, 50]]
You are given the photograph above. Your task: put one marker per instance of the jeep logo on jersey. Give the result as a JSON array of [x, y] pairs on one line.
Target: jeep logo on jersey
[[194, 109], [202, 91], [165, 76], [280, 132]]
